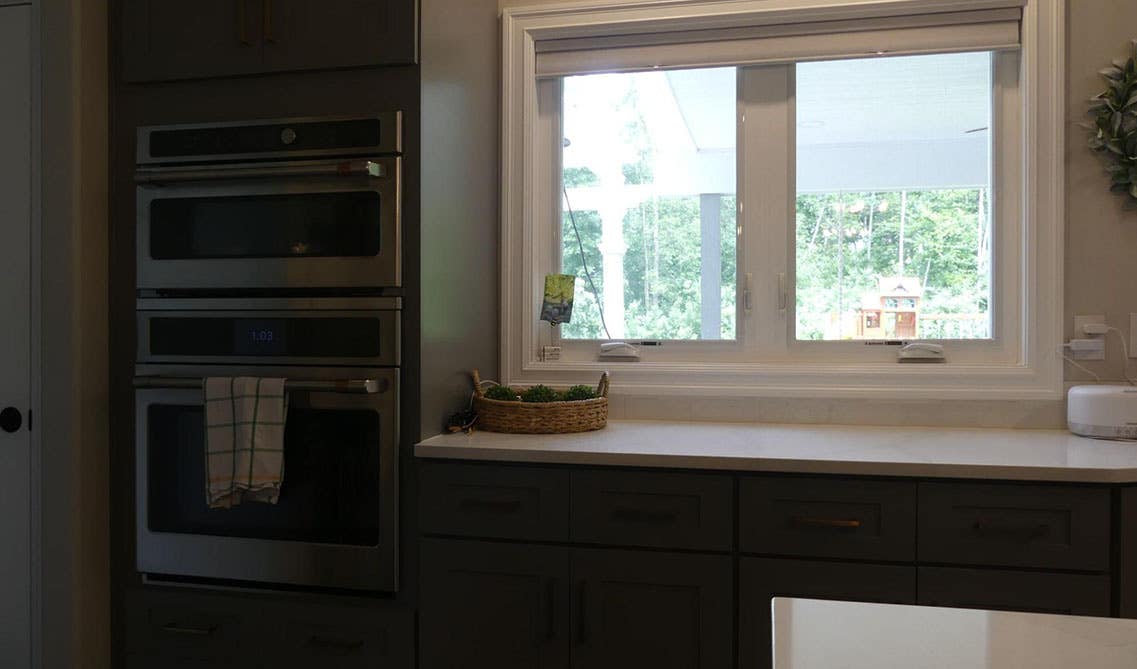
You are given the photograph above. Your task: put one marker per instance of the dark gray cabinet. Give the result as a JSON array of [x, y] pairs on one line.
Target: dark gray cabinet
[[655, 509], [1037, 592], [492, 605], [1015, 525], [190, 628], [168, 39], [761, 579], [842, 518], [506, 606], [594, 567], [659, 610]]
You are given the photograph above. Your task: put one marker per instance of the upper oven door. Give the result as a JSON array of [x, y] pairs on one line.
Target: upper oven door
[[285, 227]]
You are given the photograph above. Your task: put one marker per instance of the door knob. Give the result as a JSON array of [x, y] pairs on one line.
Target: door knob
[[11, 419]]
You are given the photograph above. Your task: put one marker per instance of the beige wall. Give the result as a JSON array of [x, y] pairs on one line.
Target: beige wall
[[1101, 241], [1101, 235]]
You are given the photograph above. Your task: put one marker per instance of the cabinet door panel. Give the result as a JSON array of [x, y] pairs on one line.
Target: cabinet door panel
[[658, 610], [1045, 526], [762, 579], [497, 606], [306, 35], [827, 517], [494, 502], [186, 40], [659, 509], [1034, 592]]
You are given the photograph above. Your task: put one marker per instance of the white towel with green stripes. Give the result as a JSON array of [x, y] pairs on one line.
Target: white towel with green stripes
[[244, 440]]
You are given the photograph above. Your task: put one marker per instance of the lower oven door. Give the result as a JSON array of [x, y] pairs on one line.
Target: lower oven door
[[335, 524]]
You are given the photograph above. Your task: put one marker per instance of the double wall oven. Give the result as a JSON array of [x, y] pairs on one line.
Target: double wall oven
[[271, 249]]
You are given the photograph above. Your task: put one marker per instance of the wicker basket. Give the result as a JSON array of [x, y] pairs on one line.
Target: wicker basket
[[541, 417]]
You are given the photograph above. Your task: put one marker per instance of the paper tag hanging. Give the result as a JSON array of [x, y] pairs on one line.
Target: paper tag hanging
[[557, 305]]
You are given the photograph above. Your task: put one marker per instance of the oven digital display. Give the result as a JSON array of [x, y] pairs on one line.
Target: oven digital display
[[260, 336]]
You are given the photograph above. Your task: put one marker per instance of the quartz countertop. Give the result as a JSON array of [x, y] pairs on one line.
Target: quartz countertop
[[977, 453], [811, 634]]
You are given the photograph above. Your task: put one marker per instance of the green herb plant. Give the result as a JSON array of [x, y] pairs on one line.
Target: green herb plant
[[1115, 125], [538, 394], [503, 393], [578, 393]]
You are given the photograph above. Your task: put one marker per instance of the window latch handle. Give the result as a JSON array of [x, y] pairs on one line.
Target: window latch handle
[[782, 297], [746, 302]]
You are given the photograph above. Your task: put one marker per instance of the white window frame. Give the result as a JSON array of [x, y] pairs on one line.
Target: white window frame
[[1021, 362]]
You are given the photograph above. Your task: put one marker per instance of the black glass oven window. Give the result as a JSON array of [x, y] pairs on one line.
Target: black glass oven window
[[360, 133], [298, 225], [293, 337], [331, 486]]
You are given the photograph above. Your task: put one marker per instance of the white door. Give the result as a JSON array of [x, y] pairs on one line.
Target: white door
[[15, 337]]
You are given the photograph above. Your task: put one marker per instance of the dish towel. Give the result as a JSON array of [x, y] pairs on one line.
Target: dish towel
[[244, 440]]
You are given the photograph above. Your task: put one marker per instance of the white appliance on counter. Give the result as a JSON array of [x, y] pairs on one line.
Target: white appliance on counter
[[1103, 411]]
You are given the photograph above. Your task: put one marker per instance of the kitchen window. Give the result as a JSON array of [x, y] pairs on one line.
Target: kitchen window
[[776, 197]]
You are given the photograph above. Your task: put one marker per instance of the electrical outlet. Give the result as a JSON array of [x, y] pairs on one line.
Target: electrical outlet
[[1079, 333], [1080, 321]]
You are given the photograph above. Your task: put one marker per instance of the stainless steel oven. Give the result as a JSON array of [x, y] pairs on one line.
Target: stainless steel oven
[[282, 206], [352, 331], [335, 524]]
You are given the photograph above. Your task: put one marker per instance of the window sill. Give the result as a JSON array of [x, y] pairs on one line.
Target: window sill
[[945, 381]]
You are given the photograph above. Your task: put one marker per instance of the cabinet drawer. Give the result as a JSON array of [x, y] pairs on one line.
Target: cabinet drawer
[[1055, 527], [187, 626], [341, 637], [1037, 592], [761, 579], [658, 509], [487, 501], [871, 520]]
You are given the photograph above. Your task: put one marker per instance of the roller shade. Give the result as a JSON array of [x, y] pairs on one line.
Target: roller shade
[[980, 30]]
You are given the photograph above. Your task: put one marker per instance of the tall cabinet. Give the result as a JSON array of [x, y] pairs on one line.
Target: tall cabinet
[[15, 328]]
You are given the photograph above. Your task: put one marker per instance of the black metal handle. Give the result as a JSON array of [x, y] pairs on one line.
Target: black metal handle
[[270, 38], [986, 528], [339, 644], [629, 514], [490, 505], [550, 609], [828, 523], [582, 613], [11, 419], [242, 25], [189, 630]]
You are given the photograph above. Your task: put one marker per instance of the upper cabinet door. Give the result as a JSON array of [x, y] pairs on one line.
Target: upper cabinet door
[[187, 40], [179, 39], [317, 34]]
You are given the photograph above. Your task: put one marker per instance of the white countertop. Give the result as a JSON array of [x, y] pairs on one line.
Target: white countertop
[[811, 634], [983, 453]]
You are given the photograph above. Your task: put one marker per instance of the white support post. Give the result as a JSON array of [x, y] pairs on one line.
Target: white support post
[[710, 266]]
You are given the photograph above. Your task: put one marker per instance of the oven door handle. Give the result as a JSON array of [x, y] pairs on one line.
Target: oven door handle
[[330, 168], [358, 386]]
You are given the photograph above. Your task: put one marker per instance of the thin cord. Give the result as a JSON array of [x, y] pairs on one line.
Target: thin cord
[[1081, 367], [1125, 360], [584, 263]]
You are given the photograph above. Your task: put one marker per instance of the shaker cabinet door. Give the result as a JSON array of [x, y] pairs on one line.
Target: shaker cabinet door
[[163, 39], [645, 609], [307, 35], [493, 606]]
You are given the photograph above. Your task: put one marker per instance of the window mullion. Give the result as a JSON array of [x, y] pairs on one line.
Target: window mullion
[[766, 184]]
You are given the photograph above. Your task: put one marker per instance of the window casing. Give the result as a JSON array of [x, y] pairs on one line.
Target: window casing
[[1019, 360]]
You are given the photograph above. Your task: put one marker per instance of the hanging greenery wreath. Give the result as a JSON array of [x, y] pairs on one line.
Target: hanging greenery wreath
[[1115, 125]]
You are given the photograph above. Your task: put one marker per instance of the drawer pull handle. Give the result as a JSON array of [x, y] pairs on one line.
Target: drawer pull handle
[[550, 609], [833, 523], [174, 628], [986, 528], [629, 514], [338, 644], [582, 617], [490, 505]]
